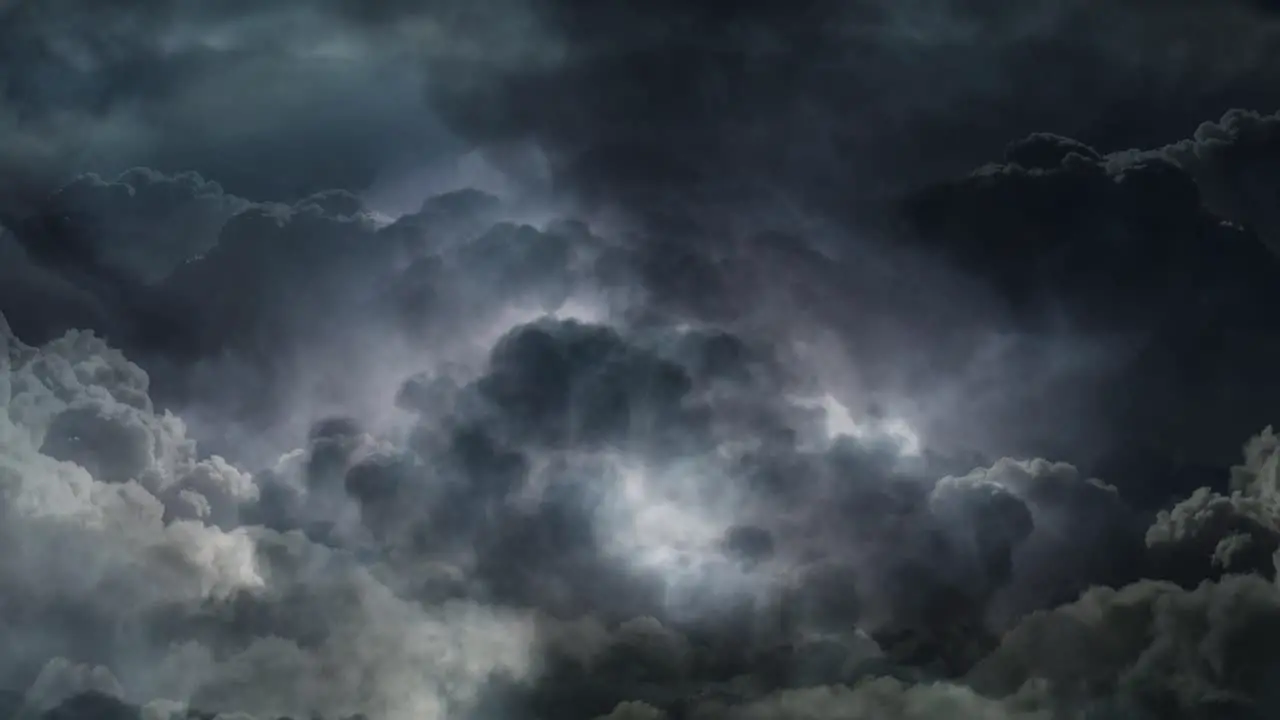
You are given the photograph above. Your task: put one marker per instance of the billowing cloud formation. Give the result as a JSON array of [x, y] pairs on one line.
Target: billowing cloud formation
[[1057, 225], [126, 219], [712, 401], [651, 506], [615, 514], [613, 485], [125, 550]]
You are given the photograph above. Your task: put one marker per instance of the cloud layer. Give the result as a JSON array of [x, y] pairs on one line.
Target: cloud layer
[[596, 497], [462, 378]]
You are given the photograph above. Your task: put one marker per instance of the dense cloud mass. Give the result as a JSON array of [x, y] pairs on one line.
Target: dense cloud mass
[[667, 361]]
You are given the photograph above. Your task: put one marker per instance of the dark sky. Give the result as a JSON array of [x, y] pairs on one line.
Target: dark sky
[[534, 359]]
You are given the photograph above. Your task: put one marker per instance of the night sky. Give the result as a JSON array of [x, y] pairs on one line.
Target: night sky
[[623, 360]]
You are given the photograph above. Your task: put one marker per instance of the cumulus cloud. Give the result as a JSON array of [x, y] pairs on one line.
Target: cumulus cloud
[[1049, 228], [125, 550], [1225, 159], [1151, 646], [610, 474], [142, 223], [281, 301], [686, 414], [1211, 533]]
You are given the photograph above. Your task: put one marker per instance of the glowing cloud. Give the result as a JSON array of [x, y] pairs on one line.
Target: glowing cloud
[[840, 423]]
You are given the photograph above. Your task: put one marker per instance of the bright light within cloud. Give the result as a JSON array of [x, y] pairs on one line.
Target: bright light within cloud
[[663, 529], [582, 310], [660, 530], [840, 422], [900, 429]]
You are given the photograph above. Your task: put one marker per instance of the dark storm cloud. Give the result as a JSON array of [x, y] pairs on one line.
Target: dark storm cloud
[[709, 125], [800, 104], [1228, 158], [1043, 226], [561, 530], [243, 97], [303, 276], [650, 464], [1138, 252], [758, 97], [159, 547], [142, 224], [214, 289], [905, 547]]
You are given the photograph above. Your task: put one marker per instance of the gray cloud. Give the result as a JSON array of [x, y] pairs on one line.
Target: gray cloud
[[234, 89], [360, 575], [122, 569], [728, 398], [241, 96]]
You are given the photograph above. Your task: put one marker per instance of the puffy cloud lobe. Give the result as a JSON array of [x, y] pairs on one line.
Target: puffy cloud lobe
[[56, 506], [320, 279], [133, 573], [1065, 512], [914, 560], [1234, 532], [1227, 533], [1227, 159], [286, 263], [60, 680], [1155, 648], [993, 522], [1053, 207], [142, 223], [1160, 648], [1043, 226], [583, 385], [1150, 649]]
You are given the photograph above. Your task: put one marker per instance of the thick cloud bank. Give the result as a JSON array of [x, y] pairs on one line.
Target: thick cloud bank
[[740, 398], [537, 470], [574, 515]]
